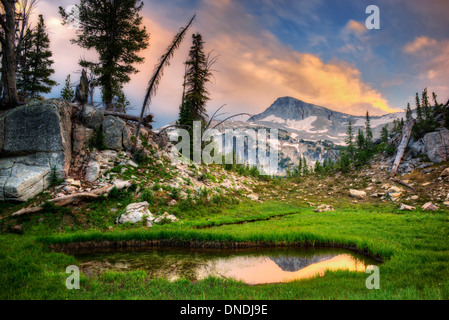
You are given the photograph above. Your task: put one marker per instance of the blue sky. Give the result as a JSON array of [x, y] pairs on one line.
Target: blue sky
[[317, 51]]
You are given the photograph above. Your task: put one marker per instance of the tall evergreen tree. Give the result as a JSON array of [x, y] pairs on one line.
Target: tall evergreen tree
[[361, 141], [408, 113], [114, 29], [305, 168], [419, 112], [198, 74], [437, 107], [350, 141], [34, 75], [384, 135], [368, 133]]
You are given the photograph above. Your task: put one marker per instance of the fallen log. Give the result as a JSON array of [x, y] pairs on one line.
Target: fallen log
[[405, 184], [406, 135], [145, 122], [27, 211], [64, 201]]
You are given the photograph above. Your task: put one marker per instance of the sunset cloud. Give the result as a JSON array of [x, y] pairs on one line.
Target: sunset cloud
[[419, 44], [257, 64], [432, 61]]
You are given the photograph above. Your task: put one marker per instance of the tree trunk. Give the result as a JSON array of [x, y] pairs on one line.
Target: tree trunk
[[10, 97], [406, 135]]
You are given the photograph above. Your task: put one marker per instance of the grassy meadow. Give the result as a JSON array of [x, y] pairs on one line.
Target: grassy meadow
[[413, 246]]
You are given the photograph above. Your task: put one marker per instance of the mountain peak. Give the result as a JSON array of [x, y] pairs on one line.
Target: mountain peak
[[311, 122]]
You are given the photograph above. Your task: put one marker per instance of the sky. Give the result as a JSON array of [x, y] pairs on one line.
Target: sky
[[317, 51]]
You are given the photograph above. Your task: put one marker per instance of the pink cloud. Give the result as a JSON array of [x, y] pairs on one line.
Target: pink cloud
[[254, 67]]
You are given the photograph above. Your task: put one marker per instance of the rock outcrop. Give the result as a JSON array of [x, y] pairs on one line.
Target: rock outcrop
[[115, 134], [34, 140], [436, 145]]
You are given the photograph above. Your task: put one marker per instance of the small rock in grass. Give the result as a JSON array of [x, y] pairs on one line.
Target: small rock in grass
[[357, 194], [429, 206], [405, 207]]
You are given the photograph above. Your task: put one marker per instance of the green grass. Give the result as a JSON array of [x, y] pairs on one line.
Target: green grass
[[414, 246]]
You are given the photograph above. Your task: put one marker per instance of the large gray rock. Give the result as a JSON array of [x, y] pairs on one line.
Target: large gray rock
[[92, 117], [113, 129], [436, 145], [19, 181], [34, 139], [137, 212], [416, 146]]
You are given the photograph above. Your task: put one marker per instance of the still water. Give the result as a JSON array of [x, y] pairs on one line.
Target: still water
[[252, 266]]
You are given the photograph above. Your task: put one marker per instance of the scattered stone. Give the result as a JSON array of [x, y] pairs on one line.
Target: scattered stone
[[395, 193], [133, 164], [405, 207], [429, 206], [253, 197], [173, 203], [324, 208], [167, 217], [357, 194], [93, 171], [137, 212], [120, 185], [415, 197]]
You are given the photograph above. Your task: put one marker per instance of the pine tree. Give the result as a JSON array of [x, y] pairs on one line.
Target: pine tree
[[318, 167], [305, 168], [350, 141], [437, 107], [368, 134], [34, 74], [419, 113], [426, 105], [67, 93], [408, 113], [384, 135], [196, 78], [114, 29]]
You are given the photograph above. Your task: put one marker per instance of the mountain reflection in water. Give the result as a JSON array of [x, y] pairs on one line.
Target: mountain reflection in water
[[255, 266]]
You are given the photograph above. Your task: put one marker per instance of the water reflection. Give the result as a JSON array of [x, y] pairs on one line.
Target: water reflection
[[256, 266]]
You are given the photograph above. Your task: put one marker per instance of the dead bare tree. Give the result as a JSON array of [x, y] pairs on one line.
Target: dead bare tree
[[14, 23], [406, 135], [159, 70]]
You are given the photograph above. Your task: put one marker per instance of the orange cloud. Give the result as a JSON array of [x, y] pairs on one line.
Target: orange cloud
[[356, 27], [433, 65], [418, 44], [254, 67]]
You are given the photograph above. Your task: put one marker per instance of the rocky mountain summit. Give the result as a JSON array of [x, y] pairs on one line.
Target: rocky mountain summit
[[314, 123], [309, 131]]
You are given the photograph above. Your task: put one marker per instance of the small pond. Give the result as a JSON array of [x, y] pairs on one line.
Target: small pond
[[252, 266]]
